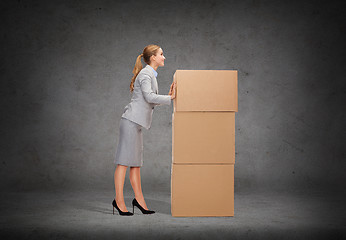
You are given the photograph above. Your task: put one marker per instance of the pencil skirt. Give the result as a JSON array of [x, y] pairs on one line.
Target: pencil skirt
[[130, 145]]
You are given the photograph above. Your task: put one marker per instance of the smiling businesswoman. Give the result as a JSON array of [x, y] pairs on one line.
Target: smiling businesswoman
[[138, 114]]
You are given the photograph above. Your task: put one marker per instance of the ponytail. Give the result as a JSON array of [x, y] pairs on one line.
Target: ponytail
[[138, 67]]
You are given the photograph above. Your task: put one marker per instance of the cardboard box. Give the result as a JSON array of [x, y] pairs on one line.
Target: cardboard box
[[202, 190], [206, 90], [203, 137]]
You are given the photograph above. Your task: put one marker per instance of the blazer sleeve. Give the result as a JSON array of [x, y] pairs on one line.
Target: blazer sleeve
[[149, 95]]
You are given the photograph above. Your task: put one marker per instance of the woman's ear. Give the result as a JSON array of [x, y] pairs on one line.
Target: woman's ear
[[152, 58]]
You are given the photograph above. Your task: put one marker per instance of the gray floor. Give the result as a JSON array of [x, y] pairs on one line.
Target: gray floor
[[88, 215]]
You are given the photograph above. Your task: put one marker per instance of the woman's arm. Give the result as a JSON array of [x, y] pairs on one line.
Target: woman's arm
[[149, 95]]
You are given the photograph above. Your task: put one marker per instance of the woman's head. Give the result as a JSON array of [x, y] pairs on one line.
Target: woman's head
[[151, 53], [150, 50]]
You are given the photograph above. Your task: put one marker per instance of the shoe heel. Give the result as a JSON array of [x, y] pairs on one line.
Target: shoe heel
[[113, 210], [133, 209]]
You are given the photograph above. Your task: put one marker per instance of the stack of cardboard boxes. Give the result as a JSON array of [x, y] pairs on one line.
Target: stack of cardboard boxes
[[203, 143]]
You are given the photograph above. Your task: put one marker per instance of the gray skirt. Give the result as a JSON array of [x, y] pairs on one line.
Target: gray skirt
[[130, 146]]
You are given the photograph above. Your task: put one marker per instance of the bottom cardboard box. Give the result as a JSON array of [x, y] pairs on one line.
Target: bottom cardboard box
[[202, 190]]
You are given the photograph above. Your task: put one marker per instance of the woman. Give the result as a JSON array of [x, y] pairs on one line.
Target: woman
[[138, 114]]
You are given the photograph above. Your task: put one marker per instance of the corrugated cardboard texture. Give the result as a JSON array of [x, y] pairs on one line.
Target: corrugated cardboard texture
[[206, 90], [202, 190], [203, 137]]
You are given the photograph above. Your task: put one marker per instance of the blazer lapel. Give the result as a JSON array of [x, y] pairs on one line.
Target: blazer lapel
[[156, 88], [154, 85]]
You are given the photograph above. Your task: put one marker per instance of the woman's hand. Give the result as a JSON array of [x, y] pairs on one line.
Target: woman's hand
[[172, 90]]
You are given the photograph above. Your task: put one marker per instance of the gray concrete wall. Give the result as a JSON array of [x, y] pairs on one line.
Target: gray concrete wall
[[66, 68]]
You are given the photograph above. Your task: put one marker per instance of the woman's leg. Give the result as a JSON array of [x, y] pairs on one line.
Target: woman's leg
[[119, 178], [135, 178]]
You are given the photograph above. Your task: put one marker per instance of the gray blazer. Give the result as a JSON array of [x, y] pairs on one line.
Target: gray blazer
[[144, 98]]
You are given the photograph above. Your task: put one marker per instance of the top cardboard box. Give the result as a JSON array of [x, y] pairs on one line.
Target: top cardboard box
[[206, 90]]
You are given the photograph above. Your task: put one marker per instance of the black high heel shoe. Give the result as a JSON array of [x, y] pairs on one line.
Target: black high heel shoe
[[120, 212], [135, 203]]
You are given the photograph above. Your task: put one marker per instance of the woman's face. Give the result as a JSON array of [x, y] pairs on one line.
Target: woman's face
[[159, 59]]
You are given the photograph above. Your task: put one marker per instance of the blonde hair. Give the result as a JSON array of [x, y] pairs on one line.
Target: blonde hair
[[148, 51]]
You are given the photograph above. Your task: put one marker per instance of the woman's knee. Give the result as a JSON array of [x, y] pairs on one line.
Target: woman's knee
[[120, 168]]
